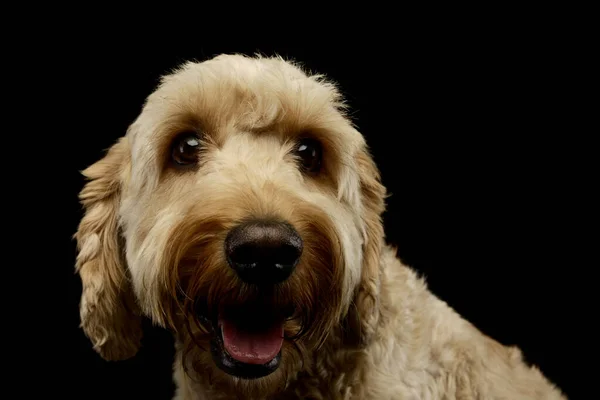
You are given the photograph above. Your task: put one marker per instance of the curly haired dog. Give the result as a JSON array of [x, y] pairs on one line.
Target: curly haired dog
[[242, 211]]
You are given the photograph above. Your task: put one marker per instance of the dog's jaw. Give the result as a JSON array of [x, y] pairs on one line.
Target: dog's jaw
[[246, 341]]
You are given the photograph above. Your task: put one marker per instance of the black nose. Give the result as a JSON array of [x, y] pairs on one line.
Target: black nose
[[263, 252]]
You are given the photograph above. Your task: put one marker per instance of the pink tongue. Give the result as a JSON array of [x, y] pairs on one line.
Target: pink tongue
[[252, 347]]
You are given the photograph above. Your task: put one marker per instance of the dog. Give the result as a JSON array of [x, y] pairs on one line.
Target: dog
[[242, 212]]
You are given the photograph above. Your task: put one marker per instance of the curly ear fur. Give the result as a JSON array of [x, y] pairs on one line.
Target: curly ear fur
[[109, 315], [364, 312]]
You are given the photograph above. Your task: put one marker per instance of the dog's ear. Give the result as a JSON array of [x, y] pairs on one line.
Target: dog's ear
[[109, 315], [363, 314]]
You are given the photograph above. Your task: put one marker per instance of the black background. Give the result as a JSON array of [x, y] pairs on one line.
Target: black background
[[473, 135]]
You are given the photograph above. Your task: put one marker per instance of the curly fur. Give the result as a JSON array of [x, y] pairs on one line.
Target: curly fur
[[365, 326]]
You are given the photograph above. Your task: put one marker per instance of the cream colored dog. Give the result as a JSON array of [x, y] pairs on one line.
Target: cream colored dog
[[242, 211]]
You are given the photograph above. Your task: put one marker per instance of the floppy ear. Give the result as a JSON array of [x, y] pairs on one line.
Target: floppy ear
[[363, 314], [109, 315]]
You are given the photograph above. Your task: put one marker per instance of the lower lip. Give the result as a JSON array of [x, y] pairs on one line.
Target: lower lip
[[236, 368]]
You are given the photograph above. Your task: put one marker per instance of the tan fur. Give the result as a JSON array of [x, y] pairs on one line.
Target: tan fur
[[108, 312], [151, 243]]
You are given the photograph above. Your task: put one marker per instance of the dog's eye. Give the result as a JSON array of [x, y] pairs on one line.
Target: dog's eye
[[310, 153], [185, 149]]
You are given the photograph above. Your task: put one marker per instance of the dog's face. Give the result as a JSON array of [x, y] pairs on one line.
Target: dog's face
[[241, 211]]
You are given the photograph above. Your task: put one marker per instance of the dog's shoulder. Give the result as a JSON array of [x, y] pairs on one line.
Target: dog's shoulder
[[425, 348]]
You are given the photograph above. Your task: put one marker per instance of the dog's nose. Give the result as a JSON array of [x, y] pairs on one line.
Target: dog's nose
[[263, 252]]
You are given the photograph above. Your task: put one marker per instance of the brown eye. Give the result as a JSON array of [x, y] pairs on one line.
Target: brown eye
[[186, 148], [310, 154]]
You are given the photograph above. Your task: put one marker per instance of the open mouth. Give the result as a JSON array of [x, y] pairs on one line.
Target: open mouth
[[247, 342]]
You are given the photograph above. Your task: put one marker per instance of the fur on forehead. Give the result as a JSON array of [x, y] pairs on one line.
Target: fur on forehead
[[235, 93]]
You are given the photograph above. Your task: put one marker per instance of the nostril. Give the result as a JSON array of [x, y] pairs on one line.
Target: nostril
[[245, 253], [287, 254], [254, 253]]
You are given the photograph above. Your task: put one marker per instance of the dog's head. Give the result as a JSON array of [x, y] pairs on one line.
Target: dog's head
[[242, 211]]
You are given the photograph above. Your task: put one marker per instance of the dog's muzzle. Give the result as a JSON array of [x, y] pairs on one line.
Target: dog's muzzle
[[249, 337]]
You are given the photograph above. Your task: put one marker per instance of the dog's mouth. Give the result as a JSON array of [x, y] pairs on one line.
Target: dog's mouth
[[247, 341]]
